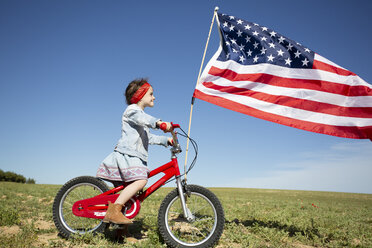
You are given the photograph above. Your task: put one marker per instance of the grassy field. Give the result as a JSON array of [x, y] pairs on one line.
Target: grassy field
[[254, 218]]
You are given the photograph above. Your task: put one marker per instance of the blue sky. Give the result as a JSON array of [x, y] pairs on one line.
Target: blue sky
[[65, 64]]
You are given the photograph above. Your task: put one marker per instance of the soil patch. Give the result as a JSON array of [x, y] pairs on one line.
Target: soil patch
[[9, 230], [43, 225], [45, 238]]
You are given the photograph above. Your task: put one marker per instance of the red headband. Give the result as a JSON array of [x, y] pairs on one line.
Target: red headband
[[140, 93]]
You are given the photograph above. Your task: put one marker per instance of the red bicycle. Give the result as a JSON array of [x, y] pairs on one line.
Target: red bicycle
[[189, 216]]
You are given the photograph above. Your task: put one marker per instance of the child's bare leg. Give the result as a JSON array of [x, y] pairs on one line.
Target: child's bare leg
[[130, 191]]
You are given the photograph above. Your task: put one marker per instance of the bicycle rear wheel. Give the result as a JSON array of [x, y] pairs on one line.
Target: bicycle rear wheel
[[74, 190], [208, 218]]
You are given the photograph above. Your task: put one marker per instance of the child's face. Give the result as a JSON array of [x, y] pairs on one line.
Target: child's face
[[148, 99]]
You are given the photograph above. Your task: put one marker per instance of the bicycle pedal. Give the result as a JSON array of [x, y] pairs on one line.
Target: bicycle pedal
[[117, 226]]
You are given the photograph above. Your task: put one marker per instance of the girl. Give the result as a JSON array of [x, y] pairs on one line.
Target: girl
[[128, 162]]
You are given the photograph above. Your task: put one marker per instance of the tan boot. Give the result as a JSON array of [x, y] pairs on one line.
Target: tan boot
[[114, 215]]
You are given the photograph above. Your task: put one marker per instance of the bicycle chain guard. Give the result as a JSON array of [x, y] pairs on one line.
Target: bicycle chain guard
[[132, 207], [96, 207]]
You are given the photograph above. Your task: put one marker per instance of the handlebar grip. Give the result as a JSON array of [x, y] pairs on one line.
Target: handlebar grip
[[163, 126], [175, 125]]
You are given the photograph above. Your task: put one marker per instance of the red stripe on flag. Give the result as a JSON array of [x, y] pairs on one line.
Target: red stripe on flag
[[330, 68], [318, 85], [339, 131], [309, 105]]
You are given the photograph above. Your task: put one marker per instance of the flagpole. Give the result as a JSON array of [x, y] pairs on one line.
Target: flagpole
[[197, 82]]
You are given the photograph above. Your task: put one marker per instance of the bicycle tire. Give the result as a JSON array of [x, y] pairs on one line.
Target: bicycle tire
[[176, 231], [78, 188]]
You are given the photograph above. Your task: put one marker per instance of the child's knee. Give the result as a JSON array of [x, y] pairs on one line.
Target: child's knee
[[142, 183]]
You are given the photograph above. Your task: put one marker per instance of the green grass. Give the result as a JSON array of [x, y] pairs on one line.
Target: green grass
[[289, 218], [254, 218]]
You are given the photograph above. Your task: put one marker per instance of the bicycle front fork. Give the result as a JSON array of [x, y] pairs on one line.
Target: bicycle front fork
[[181, 192]]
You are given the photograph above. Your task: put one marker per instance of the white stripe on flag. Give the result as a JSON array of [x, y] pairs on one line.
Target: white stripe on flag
[[324, 60], [311, 74], [314, 95], [289, 111]]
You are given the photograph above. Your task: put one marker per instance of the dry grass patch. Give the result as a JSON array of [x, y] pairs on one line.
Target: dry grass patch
[[9, 230]]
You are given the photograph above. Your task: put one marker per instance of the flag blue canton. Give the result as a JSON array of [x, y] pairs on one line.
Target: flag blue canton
[[249, 43]]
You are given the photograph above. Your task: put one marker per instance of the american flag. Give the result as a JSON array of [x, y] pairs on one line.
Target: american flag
[[259, 72]]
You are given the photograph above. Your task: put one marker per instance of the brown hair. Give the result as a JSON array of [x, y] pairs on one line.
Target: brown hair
[[133, 87]]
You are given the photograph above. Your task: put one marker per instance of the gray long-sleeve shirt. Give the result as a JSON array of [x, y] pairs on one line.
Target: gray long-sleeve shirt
[[135, 134]]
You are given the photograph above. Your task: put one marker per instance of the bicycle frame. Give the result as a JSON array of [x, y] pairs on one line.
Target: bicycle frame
[[96, 207]]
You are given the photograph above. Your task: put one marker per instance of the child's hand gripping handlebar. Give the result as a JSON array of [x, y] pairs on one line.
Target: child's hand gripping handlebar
[[163, 126]]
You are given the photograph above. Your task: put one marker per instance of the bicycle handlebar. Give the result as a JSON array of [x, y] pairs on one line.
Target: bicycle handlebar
[[163, 126]]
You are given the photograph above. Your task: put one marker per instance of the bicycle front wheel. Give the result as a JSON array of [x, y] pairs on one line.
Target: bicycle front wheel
[[74, 190], [206, 226]]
